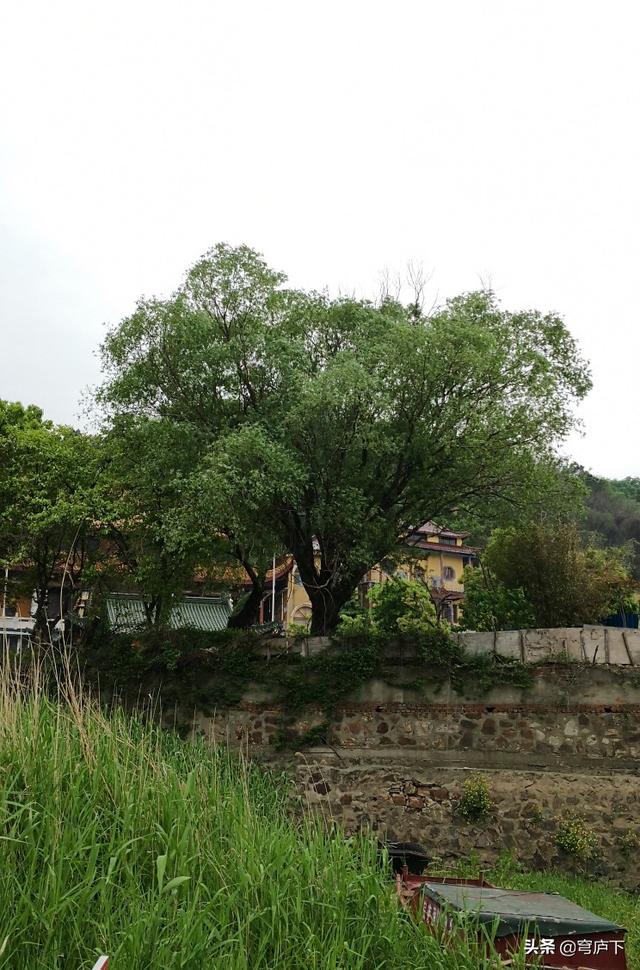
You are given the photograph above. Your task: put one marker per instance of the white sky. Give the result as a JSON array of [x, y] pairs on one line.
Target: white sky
[[485, 139]]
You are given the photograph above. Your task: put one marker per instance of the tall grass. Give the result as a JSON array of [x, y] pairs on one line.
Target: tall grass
[[118, 838]]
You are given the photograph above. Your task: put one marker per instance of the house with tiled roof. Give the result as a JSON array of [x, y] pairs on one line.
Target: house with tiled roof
[[434, 555]]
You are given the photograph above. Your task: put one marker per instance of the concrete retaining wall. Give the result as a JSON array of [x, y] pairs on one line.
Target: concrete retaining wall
[[590, 644]]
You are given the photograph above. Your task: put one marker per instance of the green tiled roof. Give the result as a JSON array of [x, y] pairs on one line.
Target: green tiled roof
[[125, 612]]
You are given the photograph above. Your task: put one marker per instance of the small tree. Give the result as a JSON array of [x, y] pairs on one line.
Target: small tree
[[543, 574], [490, 605], [402, 607]]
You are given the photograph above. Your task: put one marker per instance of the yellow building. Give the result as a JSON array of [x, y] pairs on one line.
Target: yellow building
[[431, 554]]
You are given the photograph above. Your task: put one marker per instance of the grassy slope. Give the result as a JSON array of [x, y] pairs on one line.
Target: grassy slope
[[118, 838]]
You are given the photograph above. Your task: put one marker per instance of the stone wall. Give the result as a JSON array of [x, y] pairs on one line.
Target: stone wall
[[395, 758], [546, 735], [419, 803], [470, 734]]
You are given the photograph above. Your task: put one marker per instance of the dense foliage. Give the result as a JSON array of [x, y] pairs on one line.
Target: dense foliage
[[544, 575], [613, 514], [47, 477], [337, 424], [144, 468], [489, 604]]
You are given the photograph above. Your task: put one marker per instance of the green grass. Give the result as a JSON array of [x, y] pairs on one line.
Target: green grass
[[117, 837]]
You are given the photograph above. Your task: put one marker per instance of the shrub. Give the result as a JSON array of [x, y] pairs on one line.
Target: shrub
[[575, 838], [402, 607], [354, 625], [490, 605], [298, 631], [537, 815], [438, 647], [629, 843], [475, 802]]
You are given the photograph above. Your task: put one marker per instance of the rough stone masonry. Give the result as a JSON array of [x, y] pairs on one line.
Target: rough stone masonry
[[395, 760]]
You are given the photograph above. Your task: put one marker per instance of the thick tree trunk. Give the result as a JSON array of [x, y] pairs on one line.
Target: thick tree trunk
[[248, 611], [328, 597], [325, 611], [41, 627], [328, 583]]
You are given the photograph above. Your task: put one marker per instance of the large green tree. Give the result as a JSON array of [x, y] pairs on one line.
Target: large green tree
[[145, 467], [358, 421], [47, 481]]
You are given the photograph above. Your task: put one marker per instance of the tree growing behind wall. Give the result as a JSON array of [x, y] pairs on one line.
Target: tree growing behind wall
[[47, 480], [225, 498], [357, 421], [145, 466], [612, 514], [491, 605], [544, 575]]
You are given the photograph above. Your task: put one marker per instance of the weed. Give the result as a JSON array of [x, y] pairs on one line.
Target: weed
[[574, 837], [629, 843], [475, 802], [118, 837]]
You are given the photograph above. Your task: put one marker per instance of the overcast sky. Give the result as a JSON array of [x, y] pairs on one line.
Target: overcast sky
[[487, 140]]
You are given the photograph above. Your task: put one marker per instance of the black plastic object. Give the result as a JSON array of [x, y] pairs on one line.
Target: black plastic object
[[413, 855]]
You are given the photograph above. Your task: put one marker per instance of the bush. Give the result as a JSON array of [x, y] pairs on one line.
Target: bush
[[575, 838], [629, 843], [490, 605], [298, 631], [438, 647], [475, 802], [355, 622], [398, 608]]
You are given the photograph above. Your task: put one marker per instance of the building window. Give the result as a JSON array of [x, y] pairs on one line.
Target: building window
[[449, 572], [447, 541]]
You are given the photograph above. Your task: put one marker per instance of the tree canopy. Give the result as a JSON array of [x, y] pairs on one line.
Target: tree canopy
[[543, 574], [350, 422], [145, 466], [612, 514], [47, 477]]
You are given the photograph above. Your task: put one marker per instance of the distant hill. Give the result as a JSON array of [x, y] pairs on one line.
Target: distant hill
[[613, 512], [630, 487]]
